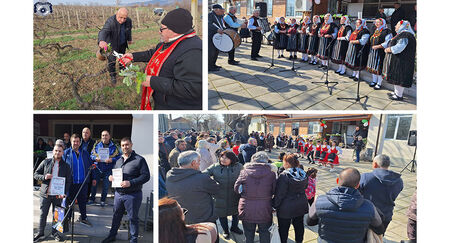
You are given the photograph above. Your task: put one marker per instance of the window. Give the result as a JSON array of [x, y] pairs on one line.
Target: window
[[313, 127], [295, 125], [398, 126], [290, 8], [238, 8], [271, 127], [282, 127], [60, 129], [121, 131], [249, 7]]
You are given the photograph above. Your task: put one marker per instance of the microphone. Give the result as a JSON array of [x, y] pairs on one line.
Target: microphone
[[94, 166]]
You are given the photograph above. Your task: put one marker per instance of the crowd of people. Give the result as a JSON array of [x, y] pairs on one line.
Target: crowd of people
[[221, 178], [77, 159]]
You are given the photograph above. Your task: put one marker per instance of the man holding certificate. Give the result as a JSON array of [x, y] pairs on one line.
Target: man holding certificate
[[56, 177], [79, 161], [105, 154], [129, 174]]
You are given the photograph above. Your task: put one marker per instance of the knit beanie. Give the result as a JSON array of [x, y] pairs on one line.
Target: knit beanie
[[178, 20]]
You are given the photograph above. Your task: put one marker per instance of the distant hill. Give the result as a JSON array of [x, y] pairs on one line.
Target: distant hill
[[160, 2]]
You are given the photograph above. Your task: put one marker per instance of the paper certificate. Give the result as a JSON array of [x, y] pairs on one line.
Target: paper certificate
[[57, 186], [49, 154], [117, 177], [103, 153]]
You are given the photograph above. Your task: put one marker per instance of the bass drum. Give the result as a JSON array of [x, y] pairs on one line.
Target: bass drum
[[227, 41]]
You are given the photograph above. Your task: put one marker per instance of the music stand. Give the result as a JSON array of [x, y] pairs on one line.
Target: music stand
[[413, 163], [326, 82], [357, 98]]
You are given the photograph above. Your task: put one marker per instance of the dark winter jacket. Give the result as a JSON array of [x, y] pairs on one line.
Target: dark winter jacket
[[290, 199], [114, 154], [163, 154], [193, 191], [226, 200], [343, 216], [248, 151], [256, 184], [46, 167], [170, 143], [381, 187], [69, 159], [135, 170], [110, 33]]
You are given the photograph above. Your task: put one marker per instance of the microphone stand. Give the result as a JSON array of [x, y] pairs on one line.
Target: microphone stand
[[326, 72], [273, 49], [412, 162], [357, 98], [292, 68]]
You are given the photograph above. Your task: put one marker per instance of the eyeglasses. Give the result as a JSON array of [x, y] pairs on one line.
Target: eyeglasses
[[184, 211], [161, 29]]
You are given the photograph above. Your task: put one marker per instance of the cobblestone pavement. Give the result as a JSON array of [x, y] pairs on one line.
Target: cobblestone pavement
[[100, 218], [326, 180], [247, 87]]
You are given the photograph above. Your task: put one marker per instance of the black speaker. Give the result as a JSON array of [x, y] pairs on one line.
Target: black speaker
[[412, 138], [262, 9], [295, 132]]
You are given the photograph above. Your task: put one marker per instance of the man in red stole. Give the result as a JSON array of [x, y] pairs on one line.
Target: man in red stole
[[174, 67]]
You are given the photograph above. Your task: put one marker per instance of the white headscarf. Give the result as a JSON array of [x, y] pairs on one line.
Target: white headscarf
[[308, 20], [330, 19], [318, 19], [383, 25], [347, 22], [405, 26], [363, 24]]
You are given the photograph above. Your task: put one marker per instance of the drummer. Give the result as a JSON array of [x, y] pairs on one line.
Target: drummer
[[231, 22], [215, 25]]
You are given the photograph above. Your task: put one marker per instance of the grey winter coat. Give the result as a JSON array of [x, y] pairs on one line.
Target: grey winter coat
[[226, 200], [258, 186]]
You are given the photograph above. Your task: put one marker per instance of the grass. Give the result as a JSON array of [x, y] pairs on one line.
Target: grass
[[64, 39], [37, 64]]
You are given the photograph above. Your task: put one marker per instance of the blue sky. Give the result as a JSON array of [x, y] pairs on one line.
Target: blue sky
[[86, 2]]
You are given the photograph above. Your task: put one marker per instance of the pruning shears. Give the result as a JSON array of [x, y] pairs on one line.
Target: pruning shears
[[121, 57]]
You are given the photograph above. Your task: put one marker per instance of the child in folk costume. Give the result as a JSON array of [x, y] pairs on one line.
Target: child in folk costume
[[398, 67], [280, 42], [318, 151], [341, 46], [292, 39], [303, 38], [323, 153], [311, 189], [310, 152], [327, 34], [305, 147], [333, 155], [301, 144], [378, 42], [356, 57], [313, 42]]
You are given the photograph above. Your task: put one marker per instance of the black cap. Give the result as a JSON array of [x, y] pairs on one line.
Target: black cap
[[217, 6], [178, 20]]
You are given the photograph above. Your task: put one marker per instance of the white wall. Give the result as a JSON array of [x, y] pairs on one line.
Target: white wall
[[142, 137]]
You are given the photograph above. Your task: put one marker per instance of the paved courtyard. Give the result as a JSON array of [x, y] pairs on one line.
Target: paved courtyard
[[247, 87], [326, 180], [100, 218]]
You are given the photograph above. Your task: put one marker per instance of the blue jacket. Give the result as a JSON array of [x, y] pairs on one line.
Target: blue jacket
[[343, 216], [248, 151], [381, 187], [114, 154], [68, 157]]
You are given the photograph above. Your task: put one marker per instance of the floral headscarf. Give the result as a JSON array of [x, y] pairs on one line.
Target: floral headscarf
[[306, 20], [383, 24], [347, 21], [316, 19], [363, 24], [405, 26], [330, 19]]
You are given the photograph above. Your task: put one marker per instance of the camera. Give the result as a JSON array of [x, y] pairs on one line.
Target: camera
[[43, 8]]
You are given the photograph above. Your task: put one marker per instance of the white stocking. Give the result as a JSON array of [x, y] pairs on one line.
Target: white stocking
[[357, 74], [380, 79], [343, 68], [398, 90], [374, 78]]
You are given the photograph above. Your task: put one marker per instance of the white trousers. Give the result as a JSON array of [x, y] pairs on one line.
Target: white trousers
[[398, 90]]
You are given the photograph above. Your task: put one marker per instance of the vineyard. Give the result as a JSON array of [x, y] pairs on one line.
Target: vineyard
[[67, 74]]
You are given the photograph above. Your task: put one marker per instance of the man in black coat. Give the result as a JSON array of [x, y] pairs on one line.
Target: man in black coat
[[215, 25], [47, 169], [397, 15], [381, 14], [135, 173], [117, 32], [178, 86]]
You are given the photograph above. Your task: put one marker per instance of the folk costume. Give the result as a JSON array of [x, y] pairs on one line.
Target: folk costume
[[317, 152], [333, 155], [215, 22], [356, 57], [398, 67], [323, 153], [301, 148], [231, 23], [380, 37], [341, 46], [244, 32], [303, 38], [326, 43], [310, 153], [281, 38], [292, 40], [256, 37], [176, 76], [313, 42]]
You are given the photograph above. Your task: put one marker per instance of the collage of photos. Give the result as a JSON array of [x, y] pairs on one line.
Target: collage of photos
[[155, 152]]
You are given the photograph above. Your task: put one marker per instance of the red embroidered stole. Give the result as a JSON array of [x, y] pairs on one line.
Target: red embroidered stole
[[154, 67], [324, 29], [355, 34]]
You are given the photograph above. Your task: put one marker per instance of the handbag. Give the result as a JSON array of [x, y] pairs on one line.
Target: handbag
[[372, 237], [274, 233]]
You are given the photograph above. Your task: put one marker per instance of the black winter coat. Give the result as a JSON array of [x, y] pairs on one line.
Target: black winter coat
[[290, 199], [135, 170], [46, 167], [110, 33]]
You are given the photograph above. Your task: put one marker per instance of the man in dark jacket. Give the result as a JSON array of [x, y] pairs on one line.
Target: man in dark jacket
[[397, 15], [135, 173], [117, 32], [192, 189], [87, 143], [381, 187], [47, 169], [380, 14], [78, 159], [249, 149], [175, 75], [180, 146], [163, 153], [170, 141], [343, 214], [215, 25]]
